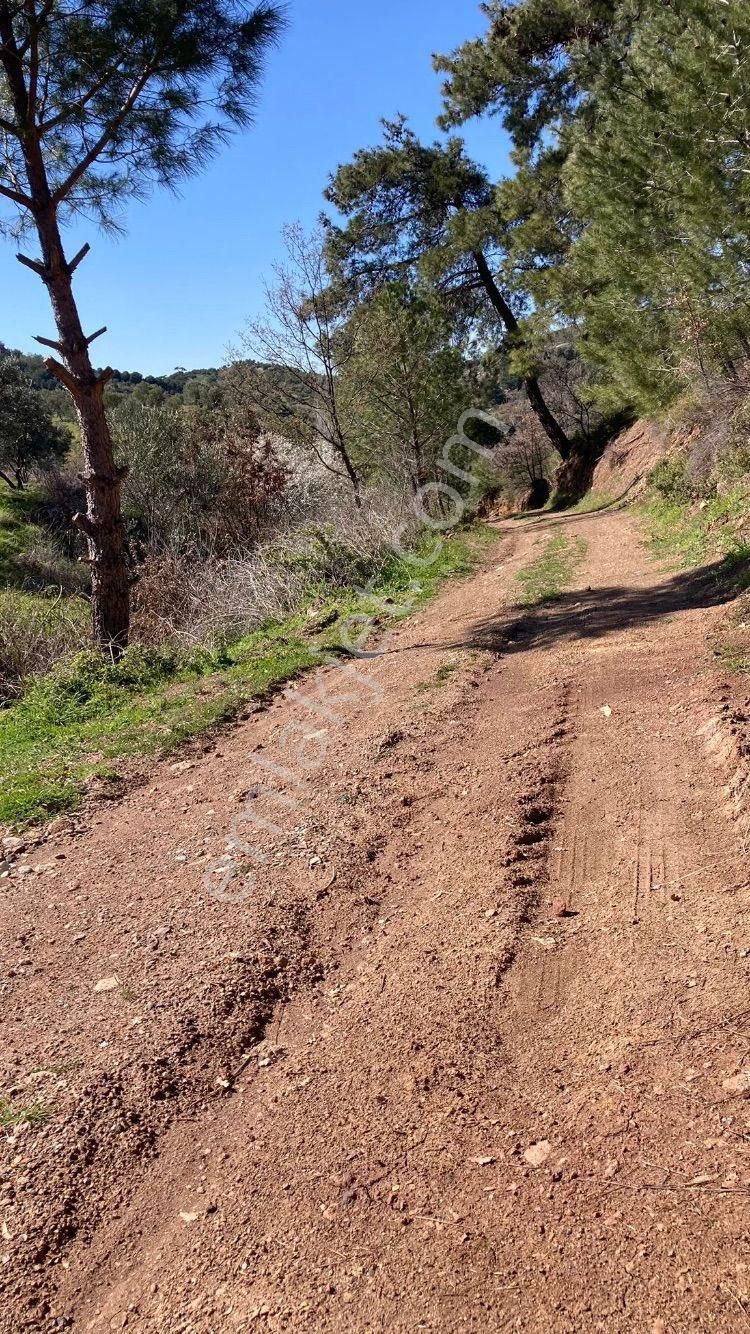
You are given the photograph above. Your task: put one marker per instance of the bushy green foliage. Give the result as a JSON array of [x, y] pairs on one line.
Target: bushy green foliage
[[630, 124], [405, 386], [425, 213], [28, 435], [669, 479]]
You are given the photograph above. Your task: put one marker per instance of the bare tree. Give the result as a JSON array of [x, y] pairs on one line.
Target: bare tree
[[304, 339]]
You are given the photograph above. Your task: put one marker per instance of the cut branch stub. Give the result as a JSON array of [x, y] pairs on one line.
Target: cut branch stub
[[35, 265], [48, 342], [62, 374], [81, 254], [83, 522]]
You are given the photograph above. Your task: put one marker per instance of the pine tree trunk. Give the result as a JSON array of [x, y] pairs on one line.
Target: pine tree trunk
[[549, 422], [102, 522]]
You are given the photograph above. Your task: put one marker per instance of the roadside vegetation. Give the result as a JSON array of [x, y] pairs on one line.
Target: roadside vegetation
[[75, 725], [697, 509], [552, 571], [697, 514], [12, 1116], [591, 502]]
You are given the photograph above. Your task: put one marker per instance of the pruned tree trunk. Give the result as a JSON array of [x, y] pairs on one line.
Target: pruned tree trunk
[[102, 522], [549, 422]]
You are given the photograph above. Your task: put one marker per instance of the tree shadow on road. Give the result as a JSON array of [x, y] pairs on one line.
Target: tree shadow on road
[[591, 614]]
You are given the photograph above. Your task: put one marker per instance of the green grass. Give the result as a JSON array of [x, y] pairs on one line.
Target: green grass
[[11, 1117], [17, 528], [592, 501], [77, 723], [29, 613], [733, 657], [688, 535], [685, 534], [547, 576], [442, 677]]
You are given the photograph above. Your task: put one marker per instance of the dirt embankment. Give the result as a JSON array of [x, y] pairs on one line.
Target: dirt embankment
[[469, 1048], [629, 458]]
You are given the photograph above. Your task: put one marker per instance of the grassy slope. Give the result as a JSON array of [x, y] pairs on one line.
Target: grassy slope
[[686, 535], [690, 534], [77, 723], [552, 571], [16, 529]]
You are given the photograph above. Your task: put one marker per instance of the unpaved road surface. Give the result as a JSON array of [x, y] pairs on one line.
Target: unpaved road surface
[[391, 1088]]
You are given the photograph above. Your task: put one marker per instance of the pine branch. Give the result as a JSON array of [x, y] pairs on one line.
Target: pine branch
[[35, 265], [75, 261], [105, 137], [15, 196]]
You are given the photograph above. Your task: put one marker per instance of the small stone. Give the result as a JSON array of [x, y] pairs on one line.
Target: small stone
[[560, 907], [538, 1153], [738, 1083], [107, 984]]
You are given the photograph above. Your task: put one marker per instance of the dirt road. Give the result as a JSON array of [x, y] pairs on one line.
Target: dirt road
[[392, 1088]]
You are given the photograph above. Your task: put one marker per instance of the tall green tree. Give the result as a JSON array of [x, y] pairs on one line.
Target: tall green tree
[[28, 435], [97, 100], [537, 65], [427, 210], [404, 387], [636, 112], [658, 280]]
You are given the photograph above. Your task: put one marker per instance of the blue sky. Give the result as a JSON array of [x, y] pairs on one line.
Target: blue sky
[[179, 285]]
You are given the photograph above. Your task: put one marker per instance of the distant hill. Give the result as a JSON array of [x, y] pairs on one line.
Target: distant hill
[[195, 386]]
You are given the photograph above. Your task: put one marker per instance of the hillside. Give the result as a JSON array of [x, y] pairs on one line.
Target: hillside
[[191, 388]]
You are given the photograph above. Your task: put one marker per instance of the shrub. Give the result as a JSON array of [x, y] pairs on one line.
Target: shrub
[[670, 480], [36, 634], [45, 567], [213, 600]]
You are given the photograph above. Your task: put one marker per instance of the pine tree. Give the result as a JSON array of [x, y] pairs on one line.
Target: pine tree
[[633, 119], [96, 101], [429, 212], [661, 173]]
